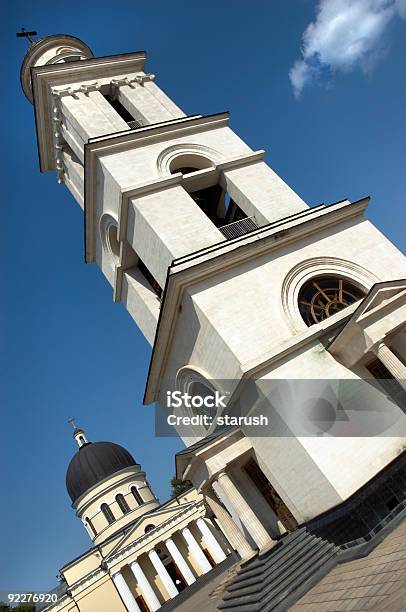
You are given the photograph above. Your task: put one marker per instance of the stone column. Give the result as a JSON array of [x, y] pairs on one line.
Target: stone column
[[248, 517], [180, 561], [213, 546], [143, 105], [233, 534], [391, 362], [146, 589], [195, 551], [163, 573], [125, 593]]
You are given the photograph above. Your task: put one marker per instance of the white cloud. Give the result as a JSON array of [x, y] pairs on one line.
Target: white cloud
[[299, 74], [345, 34]]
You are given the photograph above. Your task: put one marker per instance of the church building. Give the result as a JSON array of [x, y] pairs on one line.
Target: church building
[[244, 291], [143, 553]]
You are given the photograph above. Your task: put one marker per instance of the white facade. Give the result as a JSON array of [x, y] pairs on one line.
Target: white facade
[[216, 309]]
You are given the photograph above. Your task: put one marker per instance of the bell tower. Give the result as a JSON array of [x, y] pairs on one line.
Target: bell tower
[[154, 184], [231, 277]]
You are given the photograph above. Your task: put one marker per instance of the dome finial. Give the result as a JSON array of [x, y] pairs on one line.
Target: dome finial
[[78, 433]]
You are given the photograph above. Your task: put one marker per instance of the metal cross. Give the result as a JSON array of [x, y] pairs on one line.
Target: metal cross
[[71, 421], [25, 34]]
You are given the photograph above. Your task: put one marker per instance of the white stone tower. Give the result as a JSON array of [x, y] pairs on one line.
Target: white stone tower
[[229, 275]]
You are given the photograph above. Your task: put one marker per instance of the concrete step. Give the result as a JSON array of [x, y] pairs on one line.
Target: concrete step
[[272, 572], [273, 557], [278, 574], [273, 580]]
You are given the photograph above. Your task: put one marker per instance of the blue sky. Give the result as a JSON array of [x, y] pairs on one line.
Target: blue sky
[[67, 349]]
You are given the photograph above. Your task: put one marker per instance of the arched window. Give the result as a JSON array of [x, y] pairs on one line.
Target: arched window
[[88, 521], [189, 162], [107, 513], [113, 240], [323, 296], [149, 527], [124, 507], [137, 496]]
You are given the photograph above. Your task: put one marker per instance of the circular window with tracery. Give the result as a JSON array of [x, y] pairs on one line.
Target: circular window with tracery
[[324, 296]]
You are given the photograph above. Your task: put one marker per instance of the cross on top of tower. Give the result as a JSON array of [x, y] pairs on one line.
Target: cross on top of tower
[[25, 34], [71, 421]]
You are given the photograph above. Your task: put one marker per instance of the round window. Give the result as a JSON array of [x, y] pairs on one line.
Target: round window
[[324, 296]]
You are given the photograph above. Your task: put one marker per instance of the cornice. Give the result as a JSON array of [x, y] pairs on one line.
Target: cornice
[[188, 510], [44, 78], [363, 315], [128, 474], [155, 534], [207, 176], [122, 141], [226, 255]]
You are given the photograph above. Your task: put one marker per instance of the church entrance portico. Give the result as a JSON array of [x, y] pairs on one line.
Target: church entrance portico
[[250, 511], [162, 572]]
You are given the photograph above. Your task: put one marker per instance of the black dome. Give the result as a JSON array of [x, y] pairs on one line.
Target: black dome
[[92, 463]]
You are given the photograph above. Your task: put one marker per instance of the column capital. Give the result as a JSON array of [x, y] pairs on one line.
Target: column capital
[[392, 363], [379, 346]]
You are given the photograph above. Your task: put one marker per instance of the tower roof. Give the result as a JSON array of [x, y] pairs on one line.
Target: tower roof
[[54, 49], [92, 463]]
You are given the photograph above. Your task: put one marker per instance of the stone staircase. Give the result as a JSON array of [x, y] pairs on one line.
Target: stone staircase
[[276, 579]]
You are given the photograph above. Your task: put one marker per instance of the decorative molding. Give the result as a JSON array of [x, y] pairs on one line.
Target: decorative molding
[[86, 88], [45, 80], [128, 550], [186, 377], [128, 473], [385, 301], [139, 79], [61, 45], [169, 154], [87, 581], [170, 523], [58, 140], [310, 268], [59, 605], [107, 222]]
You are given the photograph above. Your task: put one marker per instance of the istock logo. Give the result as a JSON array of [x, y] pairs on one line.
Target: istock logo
[[176, 399]]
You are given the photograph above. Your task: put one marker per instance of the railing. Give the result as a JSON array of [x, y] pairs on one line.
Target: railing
[[239, 228], [133, 125]]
